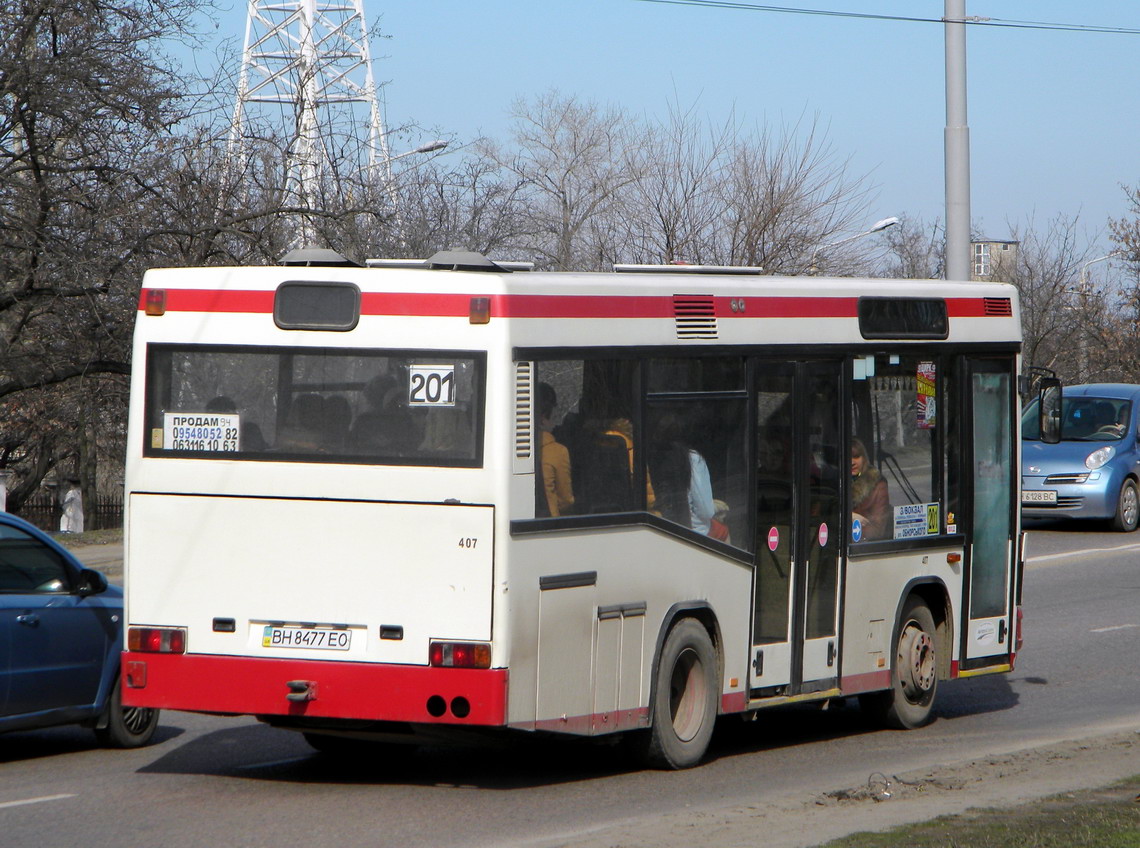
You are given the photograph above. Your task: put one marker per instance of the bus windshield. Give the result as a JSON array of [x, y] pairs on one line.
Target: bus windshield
[[1083, 419], [315, 405]]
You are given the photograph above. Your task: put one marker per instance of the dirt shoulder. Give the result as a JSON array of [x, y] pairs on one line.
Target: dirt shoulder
[[885, 801]]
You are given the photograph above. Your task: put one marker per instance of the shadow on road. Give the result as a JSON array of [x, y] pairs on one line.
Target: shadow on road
[[516, 760], [24, 745]]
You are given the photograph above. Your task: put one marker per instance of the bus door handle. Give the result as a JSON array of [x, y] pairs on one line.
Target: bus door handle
[[29, 618]]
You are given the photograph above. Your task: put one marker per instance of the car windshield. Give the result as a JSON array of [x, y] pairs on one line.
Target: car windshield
[[1083, 419]]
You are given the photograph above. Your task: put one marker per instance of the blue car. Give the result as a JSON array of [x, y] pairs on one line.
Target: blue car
[[1093, 471], [61, 634]]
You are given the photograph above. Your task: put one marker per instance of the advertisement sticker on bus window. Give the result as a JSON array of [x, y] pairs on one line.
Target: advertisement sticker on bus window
[[431, 385], [200, 431], [913, 521], [926, 384]]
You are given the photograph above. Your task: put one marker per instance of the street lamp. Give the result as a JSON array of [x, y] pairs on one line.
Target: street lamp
[[877, 227], [430, 147], [1082, 291]]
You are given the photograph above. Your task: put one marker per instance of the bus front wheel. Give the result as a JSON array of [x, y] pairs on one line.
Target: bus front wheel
[[909, 703], [683, 708]]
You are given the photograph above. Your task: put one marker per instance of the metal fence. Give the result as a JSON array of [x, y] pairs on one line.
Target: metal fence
[[44, 511]]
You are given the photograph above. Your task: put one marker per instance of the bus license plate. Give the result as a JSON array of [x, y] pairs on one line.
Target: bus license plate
[[325, 639], [1039, 497]]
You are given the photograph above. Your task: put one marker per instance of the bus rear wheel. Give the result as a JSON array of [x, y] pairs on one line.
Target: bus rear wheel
[[683, 709], [909, 703]]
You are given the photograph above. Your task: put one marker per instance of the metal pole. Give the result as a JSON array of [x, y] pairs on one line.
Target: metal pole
[[957, 140]]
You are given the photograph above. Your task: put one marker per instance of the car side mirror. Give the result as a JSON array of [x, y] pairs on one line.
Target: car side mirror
[[91, 582], [1049, 409]]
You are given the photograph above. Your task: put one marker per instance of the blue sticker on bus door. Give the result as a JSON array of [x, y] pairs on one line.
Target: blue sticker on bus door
[[856, 530]]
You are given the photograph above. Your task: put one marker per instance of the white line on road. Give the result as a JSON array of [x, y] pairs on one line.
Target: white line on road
[[1082, 551], [40, 800], [1114, 627]]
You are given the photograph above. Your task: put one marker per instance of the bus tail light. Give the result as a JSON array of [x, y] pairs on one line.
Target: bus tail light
[[155, 302], [460, 654], [157, 640]]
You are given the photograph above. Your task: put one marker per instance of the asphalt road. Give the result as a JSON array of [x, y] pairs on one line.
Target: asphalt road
[[235, 782]]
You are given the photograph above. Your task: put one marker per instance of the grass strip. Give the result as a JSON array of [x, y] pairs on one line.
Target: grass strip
[[1108, 817]]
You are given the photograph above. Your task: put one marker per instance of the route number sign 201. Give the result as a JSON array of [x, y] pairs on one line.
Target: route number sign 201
[[431, 385]]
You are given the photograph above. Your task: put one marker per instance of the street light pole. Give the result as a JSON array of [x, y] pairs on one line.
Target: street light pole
[[957, 143], [1083, 293], [876, 227]]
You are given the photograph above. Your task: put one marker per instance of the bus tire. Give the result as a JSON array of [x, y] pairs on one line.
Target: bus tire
[[683, 708], [1127, 508], [125, 727], [909, 703]]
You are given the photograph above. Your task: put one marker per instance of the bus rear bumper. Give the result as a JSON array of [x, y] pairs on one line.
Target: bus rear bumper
[[309, 688]]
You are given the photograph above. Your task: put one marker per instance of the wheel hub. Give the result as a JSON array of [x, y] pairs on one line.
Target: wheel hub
[[1130, 507], [916, 662]]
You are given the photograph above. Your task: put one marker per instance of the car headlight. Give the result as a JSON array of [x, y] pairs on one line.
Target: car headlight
[[1099, 457]]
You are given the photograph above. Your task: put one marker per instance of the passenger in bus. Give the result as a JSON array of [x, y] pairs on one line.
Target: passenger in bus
[[303, 430], [337, 420], [684, 487], [250, 433], [872, 502], [386, 426], [556, 477], [623, 428]]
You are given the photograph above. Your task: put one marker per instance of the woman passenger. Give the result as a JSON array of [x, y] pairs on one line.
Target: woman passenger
[[872, 501]]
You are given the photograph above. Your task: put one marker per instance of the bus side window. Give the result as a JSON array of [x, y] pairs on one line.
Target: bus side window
[[894, 460], [591, 398]]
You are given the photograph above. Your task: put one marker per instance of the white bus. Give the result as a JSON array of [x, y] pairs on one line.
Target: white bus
[[387, 502]]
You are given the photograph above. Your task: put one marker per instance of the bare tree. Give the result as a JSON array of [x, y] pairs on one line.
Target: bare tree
[[571, 159], [85, 96], [916, 250], [1056, 322], [673, 210], [786, 195]]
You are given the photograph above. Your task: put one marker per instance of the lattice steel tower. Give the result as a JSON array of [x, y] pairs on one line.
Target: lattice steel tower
[[307, 68]]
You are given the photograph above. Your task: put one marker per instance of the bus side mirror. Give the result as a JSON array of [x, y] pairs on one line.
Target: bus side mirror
[[1049, 408]]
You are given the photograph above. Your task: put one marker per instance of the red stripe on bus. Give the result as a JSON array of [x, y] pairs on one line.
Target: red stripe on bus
[[434, 304], [967, 307], [372, 691]]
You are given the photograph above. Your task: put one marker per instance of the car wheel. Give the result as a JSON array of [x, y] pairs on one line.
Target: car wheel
[[1127, 508], [125, 727], [684, 705], [914, 674]]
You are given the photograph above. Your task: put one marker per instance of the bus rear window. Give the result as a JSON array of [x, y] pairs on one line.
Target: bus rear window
[[387, 407], [903, 318]]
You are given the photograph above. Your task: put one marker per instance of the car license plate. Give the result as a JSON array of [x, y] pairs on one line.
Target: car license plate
[[323, 638], [1039, 497]]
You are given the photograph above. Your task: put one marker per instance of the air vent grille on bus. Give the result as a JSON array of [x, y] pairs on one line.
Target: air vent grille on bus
[[695, 316], [997, 306], [523, 405]]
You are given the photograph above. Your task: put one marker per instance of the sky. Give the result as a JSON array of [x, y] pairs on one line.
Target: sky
[[1054, 116]]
